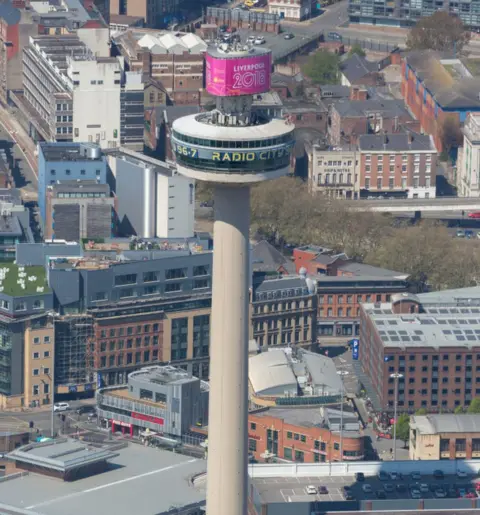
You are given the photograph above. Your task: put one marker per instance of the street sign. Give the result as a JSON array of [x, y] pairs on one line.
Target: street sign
[[355, 349]]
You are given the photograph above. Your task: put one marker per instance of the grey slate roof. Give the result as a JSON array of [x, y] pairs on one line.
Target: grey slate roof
[[283, 283], [395, 142], [356, 67], [266, 258], [360, 108], [326, 259]]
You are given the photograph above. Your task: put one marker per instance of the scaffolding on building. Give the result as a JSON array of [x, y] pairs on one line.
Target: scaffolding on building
[[73, 335]]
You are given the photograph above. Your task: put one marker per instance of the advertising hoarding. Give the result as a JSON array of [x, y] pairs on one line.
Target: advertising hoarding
[[238, 76]]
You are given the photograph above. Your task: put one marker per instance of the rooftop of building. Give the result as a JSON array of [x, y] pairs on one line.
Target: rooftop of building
[[453, 82], [11, 196], [143, 161], [277, 368], [58, 49], [327, 418], [161, 479], [362, 269], [10, 226], [448, 423], [16, 280], [169, 114], [355, 67], [266, 258], [334, 91], [283, 286], [446, 319], [400, 142], [328, 259], [157, 41], [61, 455], [83, 152], [163, 375], [80, 188], [361, 108], [300, 105]]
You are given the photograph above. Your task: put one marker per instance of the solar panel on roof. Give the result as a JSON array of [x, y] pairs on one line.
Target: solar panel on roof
[[395, 339], [457, 331], [416, 338], [462, 321], [472, 321], [447, 331], [405, 338], [460, 337], [453, 311], [475, 310], [435, 311], [377, 311], [402, 332], [452, 322], [441, 321], [382, 333], [392, 332], [393, 322], [468, 331], [417, 331], [464, 310], [471, 337], [426, 321], [443, 311], [386, 339]]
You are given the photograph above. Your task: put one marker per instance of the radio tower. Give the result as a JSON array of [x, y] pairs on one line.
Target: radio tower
[[233, 146]]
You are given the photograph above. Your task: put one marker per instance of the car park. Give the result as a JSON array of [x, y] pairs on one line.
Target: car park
[[381, 494], [440, 493], [367, 488], [359, 476], [388, 487], [311, 490], [415, 476], [438, 474], [323, 490], [462, 474], [394, 476], [61, 406], [383, 476]]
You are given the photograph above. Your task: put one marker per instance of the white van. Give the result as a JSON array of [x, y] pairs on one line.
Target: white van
[[61, 406]]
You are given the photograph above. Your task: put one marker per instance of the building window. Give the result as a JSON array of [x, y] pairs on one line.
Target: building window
[[46, 354], [289, 435], [46, 339], [38, 304], [150, 277], [121, 280], [36, 355], [200, 270], [176, 273], [35, 389], [287, 453], [252, 445], [36, 371], [172, 287]]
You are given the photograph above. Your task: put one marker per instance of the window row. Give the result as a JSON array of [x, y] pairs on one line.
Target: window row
[[129, 358], [128, 344], [121, 331]]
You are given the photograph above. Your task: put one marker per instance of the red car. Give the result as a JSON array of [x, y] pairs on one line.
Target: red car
[[474, 215]]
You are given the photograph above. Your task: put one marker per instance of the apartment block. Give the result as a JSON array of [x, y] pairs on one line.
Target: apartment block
[[431, 339], [58, 162], [156, 13], [408, 12], [397, 165]]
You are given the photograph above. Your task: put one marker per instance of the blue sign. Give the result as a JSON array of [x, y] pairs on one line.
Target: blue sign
[[355, 349], [72, 389]]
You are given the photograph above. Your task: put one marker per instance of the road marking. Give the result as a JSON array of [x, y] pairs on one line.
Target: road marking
[[108, 485]]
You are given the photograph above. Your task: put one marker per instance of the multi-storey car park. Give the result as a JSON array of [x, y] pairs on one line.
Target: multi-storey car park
[[232, 147]]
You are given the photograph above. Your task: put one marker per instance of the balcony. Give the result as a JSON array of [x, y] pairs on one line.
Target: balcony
[[119, 398]]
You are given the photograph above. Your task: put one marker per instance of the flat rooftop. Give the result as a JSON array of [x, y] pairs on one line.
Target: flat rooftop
[[61, 455], [140, 480], [71, 152], [445, 423], [58, 48]]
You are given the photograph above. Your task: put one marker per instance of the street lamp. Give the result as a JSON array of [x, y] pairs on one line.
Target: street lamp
[[342, 374], [396, 376]]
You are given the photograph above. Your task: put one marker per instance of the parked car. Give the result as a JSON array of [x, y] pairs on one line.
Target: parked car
[[251, 38], [381, 494], [289, 35], [323, 490], [423, 488], [460, 233], [394, 476], [440, 493], [462, 473], [415, 476], [469, 234], [61, 406], [383, 476], [462, 492], [82, 410], [367, 488], [311, 490], [438, 474], [475, 214], [259, 41], [388, 487], [415, 494], [359, 476]]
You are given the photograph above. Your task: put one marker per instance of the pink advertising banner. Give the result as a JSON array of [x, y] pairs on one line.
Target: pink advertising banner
[[238, 76]]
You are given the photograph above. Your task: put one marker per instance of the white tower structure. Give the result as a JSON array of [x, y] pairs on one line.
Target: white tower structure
[[233, 147]]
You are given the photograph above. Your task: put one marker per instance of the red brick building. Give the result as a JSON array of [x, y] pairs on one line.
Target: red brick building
[[437, 88], [402, 165], [304, 435], [431, 339]]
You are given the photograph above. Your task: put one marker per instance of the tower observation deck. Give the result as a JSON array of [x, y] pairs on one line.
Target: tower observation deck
[[233, 146]]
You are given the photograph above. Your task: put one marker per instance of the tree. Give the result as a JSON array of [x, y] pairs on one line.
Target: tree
[[421, 411], [440, 31], [403, 428], [459, 410], [322, 67], [356, 49], [450, 133], [474, 407]]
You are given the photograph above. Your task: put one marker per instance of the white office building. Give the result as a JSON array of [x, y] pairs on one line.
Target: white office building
[[153, 199], [468, 171]]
